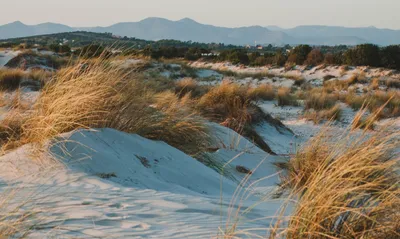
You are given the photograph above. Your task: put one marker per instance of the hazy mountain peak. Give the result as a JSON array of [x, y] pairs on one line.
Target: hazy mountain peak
[[187, 29], [187, 20], [274, 28], [154, 19], [16, 23]]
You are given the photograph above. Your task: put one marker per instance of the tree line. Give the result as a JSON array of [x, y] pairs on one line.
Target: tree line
[[365, 54], [360, 55]]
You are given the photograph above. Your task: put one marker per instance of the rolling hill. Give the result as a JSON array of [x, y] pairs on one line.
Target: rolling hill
[[189, 30]]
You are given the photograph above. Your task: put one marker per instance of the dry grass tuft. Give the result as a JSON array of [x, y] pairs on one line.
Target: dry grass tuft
[[319, 100], [189, 85], [230, 105], [285, 98], [13, 223], [10, 79], [185, 86], [357, 79], [347, 187], [334, 113], [338, 85], [392, 83], [226, 101], [170, 119], [363, 121], [11, 129], [96, 94], [261, 92], [375, 84], [374, 101]]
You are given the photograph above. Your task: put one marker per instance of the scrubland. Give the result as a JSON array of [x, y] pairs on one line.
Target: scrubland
[[340, 182]]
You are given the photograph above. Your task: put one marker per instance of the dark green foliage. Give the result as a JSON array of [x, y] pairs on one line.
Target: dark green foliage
[[366, 54], [280, 59], [363, 55], [92, 50], [235, 56], [315, 57], [60, 48], [390, 57], [299, 54], [195, 53]]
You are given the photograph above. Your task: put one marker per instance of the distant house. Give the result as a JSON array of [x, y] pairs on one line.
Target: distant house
[[259, 47]]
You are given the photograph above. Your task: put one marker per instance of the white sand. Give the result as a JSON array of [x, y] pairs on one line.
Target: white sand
[[118, 185], [157, 191], [314, 76], [7, 55]]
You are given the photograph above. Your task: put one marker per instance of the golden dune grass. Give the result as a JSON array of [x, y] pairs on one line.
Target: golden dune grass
[[338, 186], [261, 92], [285, 98], [97, 94]]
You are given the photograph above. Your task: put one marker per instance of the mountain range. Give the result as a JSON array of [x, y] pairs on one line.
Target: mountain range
[[189, 30]]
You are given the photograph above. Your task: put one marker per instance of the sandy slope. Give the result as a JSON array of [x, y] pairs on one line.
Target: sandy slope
[[118, 185], [7, 55], [280, 76]]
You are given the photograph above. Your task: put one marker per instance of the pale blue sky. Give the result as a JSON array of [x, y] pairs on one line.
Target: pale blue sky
[[230, 13]]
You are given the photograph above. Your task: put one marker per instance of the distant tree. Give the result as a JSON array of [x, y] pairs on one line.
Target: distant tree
[[279, 59], [64, 49], [194, 53], [292, 59], [259, 61], [299, 54], [60, 48], [363, 55], [338, 58], [253, 56], [329, 59], [315, 57], [53, 47], [390, 57], [239, 57], [147, 50], [235, 56]]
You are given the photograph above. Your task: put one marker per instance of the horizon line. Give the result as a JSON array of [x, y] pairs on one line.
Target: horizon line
[[188, 18]]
